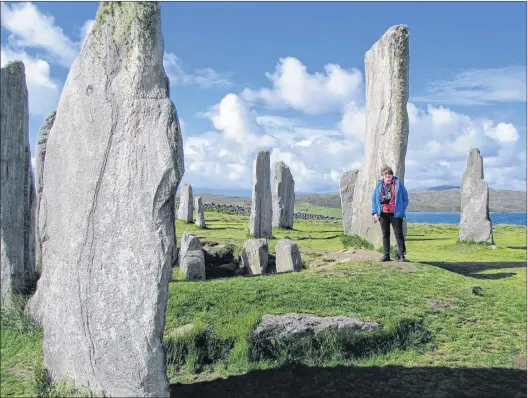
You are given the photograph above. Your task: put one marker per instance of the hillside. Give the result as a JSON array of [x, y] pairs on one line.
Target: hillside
[[501, 201]]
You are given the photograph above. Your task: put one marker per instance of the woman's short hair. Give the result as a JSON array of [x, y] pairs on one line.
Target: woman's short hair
[[385, 169]]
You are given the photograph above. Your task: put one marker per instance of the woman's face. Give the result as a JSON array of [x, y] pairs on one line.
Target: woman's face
[[387, 177]]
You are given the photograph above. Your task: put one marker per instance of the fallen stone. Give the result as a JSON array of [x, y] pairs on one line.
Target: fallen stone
[[288, 257], [18, 199], [475, 222], [189, 241], [261, 206], [192, 265], [387, 125], [200, 217], [185, 211], [346, 192], [113, 163], [291, 326], [42, 142], [283, 197], [255, 256]]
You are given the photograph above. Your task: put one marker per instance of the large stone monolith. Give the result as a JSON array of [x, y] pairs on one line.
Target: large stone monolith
[[346, 191], [254, 256], [475, 222], [283, 197], [114, 160], [18, 199], [261, 206], [200, 217], [185, 210], [387, 125], [42, 142]]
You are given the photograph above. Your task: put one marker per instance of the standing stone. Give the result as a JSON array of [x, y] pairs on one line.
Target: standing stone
[[192, 265], [189, 241], [18, 201], [387, 125], [255, 256], [288, 256], [346, 191], [475, 222], [283, 197], [200, 218], [42, 142], [185, 211], [114, 160], [261, 206]]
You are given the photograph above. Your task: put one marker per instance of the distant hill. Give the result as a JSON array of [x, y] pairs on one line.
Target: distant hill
[[442, 188]]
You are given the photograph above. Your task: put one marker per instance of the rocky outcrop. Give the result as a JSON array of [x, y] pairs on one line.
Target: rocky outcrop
[[346, 190], [255, 256], [283, 197], [185, 211], [475, 222], [290, 326], [200, 217], [114, 160], [261, 206], [287, 256], [18, 199], [42, 142], [387, 125]]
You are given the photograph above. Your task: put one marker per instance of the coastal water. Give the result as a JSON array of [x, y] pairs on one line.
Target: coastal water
[[454, 218]]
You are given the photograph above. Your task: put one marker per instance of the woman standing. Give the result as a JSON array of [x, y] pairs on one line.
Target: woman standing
[[389, 202]]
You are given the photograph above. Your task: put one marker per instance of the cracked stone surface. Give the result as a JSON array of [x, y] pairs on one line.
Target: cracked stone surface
[[114, 159]]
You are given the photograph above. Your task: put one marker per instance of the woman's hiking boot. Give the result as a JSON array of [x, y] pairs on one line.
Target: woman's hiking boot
[[385, 257]]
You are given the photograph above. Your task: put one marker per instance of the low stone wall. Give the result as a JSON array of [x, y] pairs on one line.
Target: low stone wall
[[245, 210]]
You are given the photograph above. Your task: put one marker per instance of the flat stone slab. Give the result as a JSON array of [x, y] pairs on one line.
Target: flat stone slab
[[288, 326]]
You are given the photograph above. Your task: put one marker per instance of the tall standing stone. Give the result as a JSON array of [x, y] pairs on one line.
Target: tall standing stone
[[475, 222], [283, 197], [18, 201], [346, 191], [387, 125], [114, 160], [42, 142], [185, 211], [261, 206], [200, 217]]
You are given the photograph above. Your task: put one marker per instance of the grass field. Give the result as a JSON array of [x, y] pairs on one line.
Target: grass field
[[430, 317]]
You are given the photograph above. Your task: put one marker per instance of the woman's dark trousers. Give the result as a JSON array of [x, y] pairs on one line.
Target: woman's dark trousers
[[386, 220]]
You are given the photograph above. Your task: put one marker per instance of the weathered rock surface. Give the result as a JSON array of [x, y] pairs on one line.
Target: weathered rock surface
[[18, 200], [200, 217], [283, 197], [387, 125], [189, 241], [255, 256], [475, 222], [185, 211], [287, 256], [42, 142], [290, 326], [346, 191], [192, 265], [114, 159], [261, 206]]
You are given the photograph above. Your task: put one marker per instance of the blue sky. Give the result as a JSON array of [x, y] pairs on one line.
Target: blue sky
[[247, 76]]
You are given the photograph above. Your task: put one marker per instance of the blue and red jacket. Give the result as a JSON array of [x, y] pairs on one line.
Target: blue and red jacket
[[401, 198]]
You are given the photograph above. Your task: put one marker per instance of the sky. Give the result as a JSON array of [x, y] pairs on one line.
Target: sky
[[289, 77]]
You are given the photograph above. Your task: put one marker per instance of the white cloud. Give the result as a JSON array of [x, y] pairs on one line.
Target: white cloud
[[204, 77], [33, 29], [502, 132], [353, 122], [43, 91], [478, 87], [85, 30], [294, 87]]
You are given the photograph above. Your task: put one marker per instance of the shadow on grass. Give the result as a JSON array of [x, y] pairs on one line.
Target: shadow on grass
[[421, 239], [297, 380], [473, 269], [517, 247]]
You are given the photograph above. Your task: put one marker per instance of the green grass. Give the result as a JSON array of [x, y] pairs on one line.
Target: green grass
[[321, 210], [467, 331]]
